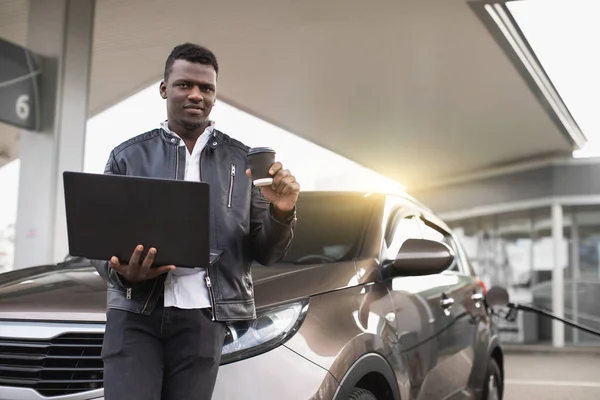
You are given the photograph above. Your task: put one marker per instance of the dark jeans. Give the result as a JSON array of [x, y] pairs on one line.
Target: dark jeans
[[173, 354]]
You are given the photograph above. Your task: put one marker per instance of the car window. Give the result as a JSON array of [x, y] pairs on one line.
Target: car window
[[329, 228], [404, 228], [432, 232], [395, 216], [389, 229]]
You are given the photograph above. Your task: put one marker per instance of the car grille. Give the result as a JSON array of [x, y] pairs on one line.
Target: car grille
[[67, 364]]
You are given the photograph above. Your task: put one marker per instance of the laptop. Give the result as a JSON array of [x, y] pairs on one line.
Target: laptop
[[109, 215]]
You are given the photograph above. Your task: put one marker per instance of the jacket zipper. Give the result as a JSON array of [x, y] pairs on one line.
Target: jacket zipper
[[231, 179], [210, 295], [150, 296], [177, 164]]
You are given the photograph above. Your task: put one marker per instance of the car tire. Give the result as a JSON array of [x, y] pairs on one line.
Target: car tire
[[493, 384], [361, 394]]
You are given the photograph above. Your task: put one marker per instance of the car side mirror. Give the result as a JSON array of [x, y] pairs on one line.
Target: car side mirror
[[497, 296], [422, 257]]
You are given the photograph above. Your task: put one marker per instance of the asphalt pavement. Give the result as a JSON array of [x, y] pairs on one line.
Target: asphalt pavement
[[552, 376]]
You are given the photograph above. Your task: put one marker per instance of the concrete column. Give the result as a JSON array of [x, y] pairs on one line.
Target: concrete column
[[61, 31], [558, 289], [575, 273]]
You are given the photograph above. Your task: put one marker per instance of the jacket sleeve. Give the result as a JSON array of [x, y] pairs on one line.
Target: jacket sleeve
[[107, 273], [271, 239]]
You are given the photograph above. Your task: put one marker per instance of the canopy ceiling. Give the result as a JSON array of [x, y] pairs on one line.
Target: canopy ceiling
[[418, 90]]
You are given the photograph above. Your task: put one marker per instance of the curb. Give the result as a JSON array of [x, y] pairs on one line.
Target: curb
[[590, 351]]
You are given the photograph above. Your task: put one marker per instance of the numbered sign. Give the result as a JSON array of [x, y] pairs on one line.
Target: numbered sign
[[18, 86]]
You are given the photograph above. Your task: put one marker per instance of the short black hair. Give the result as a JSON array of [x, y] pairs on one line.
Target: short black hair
[[193, 53]]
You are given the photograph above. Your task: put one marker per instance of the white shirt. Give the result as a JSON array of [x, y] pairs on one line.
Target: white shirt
[[186, 287]]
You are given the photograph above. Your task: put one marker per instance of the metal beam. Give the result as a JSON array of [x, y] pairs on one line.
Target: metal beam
[[500, 23]]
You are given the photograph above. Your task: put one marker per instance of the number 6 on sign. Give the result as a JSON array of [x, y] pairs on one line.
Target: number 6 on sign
[[19, 102], [22, 106]]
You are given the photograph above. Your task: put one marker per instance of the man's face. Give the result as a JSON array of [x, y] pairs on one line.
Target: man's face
[[190, 91]]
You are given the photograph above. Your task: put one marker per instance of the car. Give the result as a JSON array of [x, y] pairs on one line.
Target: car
[[375, 299]]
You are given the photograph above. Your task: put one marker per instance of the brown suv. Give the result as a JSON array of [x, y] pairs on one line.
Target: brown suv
[[374, 300]]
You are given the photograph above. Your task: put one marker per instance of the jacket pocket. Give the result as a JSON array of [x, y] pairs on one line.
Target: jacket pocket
[[231, 184]]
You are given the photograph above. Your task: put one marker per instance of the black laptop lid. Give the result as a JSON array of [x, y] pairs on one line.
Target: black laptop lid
[[109, 215]]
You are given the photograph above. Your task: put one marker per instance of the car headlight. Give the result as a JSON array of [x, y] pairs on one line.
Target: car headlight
[[271, 328]]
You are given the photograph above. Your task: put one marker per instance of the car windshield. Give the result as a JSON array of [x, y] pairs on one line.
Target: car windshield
[[329, 228]]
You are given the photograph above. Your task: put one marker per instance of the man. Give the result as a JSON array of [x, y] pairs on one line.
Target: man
[[165, 326]]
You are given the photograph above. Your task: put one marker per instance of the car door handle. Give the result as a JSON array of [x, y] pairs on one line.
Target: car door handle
[[447, 302], [478, 297]]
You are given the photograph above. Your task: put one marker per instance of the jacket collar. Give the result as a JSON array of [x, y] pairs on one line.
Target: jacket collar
[[174, 138]]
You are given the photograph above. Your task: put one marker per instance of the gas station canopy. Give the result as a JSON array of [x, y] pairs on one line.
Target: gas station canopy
[[418, 90]]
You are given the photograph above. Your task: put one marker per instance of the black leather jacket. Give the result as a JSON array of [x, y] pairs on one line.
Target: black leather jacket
[[242, 224]]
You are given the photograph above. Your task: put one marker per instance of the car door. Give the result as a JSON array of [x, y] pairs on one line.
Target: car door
[[414, 300], [456, 326]]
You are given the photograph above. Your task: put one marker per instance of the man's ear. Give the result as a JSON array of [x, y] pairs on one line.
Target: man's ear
[[162, 88]]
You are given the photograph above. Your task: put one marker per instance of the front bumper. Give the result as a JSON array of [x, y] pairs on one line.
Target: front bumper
[[277, 374], [15, 393]]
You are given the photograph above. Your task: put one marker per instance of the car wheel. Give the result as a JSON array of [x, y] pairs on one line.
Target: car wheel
[[361, 394], [492, 387]]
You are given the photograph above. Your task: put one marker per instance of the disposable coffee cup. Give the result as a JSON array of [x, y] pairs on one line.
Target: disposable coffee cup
[[261, 159]]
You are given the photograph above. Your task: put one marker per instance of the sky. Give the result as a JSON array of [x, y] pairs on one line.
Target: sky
[[308, 162], [9, 182], [561, 32]]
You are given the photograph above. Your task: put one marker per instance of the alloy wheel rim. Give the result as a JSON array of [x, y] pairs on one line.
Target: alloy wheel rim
[[493, 388]]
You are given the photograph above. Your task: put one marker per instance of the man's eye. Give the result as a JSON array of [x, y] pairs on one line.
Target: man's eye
[[183, 85], [209, 89]]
